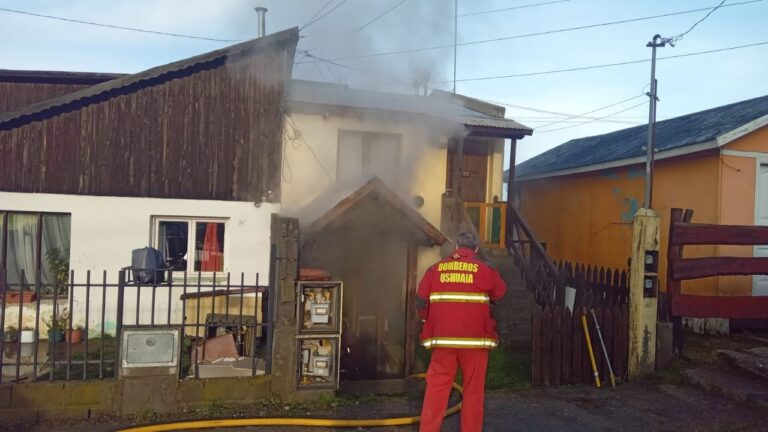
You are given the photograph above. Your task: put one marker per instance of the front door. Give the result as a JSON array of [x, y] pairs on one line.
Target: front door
[[474, 177], [760, 282]]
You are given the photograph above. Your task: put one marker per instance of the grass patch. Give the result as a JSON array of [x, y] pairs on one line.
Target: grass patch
[[507, 368]]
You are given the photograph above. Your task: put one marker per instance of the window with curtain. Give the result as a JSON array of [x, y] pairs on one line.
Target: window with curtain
[[191, 244], [368, 154], [35, 251]]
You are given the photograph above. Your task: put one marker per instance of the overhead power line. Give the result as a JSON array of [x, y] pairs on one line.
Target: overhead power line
[[319, 11], [542, 33], [554, 113], [384, 13], [592, 111], [324, 15], [72, 20], [593, 120], [511, 8], [600, 66], [360, 71], [681, 35]]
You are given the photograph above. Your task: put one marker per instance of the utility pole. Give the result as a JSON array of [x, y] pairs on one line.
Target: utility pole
[[657, 42], [455, 39]]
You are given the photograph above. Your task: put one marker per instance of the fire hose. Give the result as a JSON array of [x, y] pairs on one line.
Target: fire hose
[[277, 421]]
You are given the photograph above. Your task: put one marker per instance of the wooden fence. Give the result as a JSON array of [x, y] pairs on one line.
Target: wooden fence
[[559, 350], [683, 233]]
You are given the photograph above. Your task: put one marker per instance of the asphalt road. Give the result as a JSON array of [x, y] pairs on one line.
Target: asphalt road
[[631, 407]]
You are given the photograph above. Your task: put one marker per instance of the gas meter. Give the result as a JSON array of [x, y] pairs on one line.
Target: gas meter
[[319, 306]]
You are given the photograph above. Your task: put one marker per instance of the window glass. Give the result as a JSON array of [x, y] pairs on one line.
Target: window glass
[[21, 250], [350, 156], [368, 154], [209, 246], [173, 242], [383, 157], [54, 265]]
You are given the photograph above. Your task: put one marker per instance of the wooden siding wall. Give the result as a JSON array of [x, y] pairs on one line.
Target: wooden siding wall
[[210, 131], [14, 95]]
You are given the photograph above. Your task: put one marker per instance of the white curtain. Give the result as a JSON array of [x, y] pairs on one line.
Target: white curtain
[[22, 249], [54, 256]]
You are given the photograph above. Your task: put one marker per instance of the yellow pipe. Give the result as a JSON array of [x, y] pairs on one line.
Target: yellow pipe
[[204, 424], [589, 347]]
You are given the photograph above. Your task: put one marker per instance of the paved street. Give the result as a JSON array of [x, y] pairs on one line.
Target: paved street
[[645, 406]]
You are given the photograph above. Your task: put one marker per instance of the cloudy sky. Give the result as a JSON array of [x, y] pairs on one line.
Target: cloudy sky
[[349, 31]]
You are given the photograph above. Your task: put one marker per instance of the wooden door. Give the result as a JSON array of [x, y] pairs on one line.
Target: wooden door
[[474, 177]]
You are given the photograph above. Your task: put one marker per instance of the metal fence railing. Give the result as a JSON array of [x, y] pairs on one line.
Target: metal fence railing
[[74, 333]]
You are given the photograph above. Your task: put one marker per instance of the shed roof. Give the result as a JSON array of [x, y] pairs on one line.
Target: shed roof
[[438, 106], [130, 83], [336, 201], [680, 135]]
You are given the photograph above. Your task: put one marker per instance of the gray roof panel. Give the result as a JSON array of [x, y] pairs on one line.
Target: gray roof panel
[[671, 134]]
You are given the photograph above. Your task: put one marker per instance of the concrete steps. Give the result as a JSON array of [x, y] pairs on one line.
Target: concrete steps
[[513, 313]]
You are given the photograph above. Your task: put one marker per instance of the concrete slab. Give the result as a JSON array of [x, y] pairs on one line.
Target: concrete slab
[[754, 361], [731, 384]]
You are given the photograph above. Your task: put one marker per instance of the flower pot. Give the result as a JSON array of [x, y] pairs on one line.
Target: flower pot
[[27, 336], [55, 335], [15, 297], [74, 336]]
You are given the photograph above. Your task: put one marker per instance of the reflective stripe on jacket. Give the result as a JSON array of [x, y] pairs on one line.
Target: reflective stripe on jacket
[[454, 298]]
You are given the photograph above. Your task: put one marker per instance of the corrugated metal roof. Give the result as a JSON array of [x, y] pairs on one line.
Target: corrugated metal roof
[[674, 133], [340, 95], [136, 81]]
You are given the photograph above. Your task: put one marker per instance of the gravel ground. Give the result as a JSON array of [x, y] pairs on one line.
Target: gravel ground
[[642, 406]]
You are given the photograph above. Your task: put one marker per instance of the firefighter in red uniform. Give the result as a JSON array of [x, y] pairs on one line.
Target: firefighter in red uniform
[[453, 300]]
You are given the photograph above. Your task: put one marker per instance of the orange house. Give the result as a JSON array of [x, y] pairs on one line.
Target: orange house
[[580, 197]]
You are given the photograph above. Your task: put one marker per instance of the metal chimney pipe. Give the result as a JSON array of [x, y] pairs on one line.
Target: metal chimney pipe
[[262, 12]]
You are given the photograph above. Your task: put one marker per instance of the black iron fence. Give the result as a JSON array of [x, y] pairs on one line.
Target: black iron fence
[[74, 332]]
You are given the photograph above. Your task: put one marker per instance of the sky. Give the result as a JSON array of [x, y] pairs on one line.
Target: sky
[[354, 28]]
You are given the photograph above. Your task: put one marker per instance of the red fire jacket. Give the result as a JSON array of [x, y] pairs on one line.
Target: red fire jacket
[[454, 300]]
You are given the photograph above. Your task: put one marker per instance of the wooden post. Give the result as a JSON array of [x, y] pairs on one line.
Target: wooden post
[[458, 167], [642, 308], [508, 238], [411, 315]]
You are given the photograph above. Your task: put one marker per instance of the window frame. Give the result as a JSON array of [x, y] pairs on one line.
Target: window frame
[[366, 144], [191, 223], [38, 246]]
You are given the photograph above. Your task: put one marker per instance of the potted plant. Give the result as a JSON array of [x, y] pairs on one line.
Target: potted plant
[[57, 325], [10, 334], [75, 335], [27, 334], [58, 263]]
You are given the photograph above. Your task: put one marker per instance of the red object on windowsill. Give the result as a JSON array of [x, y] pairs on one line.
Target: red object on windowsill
[[15, 297]]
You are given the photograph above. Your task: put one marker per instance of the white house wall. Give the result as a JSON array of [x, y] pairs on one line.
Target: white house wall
[[104, 231], [421, 172]]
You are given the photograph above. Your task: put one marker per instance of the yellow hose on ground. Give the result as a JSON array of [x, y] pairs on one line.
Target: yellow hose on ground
[[203, 424]]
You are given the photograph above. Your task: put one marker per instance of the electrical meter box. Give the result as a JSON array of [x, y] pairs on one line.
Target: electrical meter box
[[319, 308], [318, 363]]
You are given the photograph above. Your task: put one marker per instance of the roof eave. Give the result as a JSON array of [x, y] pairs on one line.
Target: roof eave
[[28, 113], [742, 130], [680, 151]]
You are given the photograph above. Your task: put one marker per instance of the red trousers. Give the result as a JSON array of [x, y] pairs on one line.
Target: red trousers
[[440, 375]]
